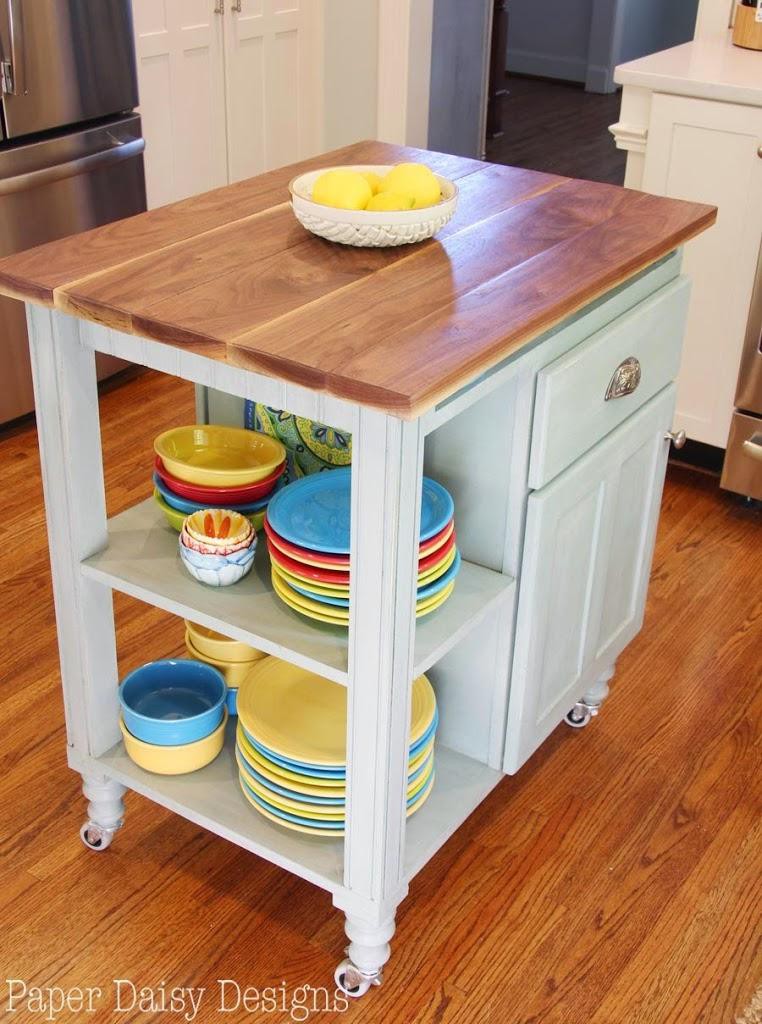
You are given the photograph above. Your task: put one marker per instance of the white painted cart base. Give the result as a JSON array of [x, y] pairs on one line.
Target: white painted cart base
[[505, 677]]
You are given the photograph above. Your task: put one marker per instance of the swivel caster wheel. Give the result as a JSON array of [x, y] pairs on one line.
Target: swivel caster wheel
[[579, 716], [96, 838], [352, 981]]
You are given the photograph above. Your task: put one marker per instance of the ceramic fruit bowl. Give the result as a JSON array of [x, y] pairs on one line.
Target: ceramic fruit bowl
[[177, 760], [172, 702], [223, 648], [218, 527], [217, 456], [209, 496], [369, 227]]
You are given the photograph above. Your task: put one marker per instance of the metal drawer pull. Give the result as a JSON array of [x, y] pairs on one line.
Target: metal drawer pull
[[753, 446], [677, 437], [625, 379]]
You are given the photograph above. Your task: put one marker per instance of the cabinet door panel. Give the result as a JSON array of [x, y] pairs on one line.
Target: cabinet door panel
[[707, 152], [272, 64], [182, 97], [587, 555]]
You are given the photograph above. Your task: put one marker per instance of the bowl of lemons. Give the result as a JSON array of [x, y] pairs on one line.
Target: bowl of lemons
[[374, 205]]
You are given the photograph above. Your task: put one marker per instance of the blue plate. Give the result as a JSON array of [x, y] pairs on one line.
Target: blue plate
[[332, 773], [292, 794], [314, 512], [428, 591], [184, 505]]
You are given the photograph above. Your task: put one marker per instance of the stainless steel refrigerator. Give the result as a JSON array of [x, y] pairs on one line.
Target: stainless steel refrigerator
[[70, 145]]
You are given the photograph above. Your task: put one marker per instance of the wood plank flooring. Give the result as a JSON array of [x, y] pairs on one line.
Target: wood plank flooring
[[615, 880], [558, 127]]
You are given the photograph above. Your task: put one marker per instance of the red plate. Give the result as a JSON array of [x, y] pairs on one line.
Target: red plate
[[328, 575], [434, 545], [219, 495], [302, 569]]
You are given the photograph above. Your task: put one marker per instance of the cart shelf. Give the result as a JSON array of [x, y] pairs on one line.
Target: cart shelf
[[141, 560], [212, 799]]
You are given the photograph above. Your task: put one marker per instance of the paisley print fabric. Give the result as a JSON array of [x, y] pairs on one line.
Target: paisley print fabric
[[311, 447]]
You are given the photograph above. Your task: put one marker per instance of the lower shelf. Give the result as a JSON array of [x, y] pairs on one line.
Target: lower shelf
[[211, 798]]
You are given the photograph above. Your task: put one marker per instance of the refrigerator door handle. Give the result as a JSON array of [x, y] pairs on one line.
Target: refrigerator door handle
[[14, 67], [71, 168]]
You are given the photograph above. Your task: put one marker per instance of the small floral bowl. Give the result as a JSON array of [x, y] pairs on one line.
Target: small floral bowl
[[214, 549], [218, 527], [218, 570]]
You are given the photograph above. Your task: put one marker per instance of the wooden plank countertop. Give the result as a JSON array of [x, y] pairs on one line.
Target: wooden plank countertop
[[231, 274]]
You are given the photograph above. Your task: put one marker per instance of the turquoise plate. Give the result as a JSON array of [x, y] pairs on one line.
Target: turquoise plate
[[314, 512]]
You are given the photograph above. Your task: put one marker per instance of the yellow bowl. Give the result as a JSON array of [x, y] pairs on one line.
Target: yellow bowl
[[223, 648], [188, 757], [217, 456], [234, 671], [176, 519]]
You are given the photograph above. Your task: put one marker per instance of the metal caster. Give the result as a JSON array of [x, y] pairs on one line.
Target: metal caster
[[352, 981], [580, 715], [95, 837]]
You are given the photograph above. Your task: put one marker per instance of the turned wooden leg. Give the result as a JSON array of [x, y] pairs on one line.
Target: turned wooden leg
[[367, 953], [105, 811]]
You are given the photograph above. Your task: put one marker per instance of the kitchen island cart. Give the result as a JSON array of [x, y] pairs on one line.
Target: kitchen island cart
[[524, 358]]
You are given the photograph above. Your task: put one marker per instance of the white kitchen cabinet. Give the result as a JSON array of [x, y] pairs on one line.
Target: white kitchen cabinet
[[691, 122], [228, 89], [587, 556]]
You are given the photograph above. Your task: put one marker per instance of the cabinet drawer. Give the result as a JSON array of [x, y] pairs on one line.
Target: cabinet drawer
[[571, 410]]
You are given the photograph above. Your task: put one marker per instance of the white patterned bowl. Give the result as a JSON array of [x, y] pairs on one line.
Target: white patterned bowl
[[370, 228]]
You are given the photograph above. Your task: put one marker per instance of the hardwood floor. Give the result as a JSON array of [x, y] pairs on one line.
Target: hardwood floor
[[559, 128], [615, 880]]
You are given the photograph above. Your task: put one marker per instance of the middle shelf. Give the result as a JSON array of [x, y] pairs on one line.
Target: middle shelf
[[141, 559]]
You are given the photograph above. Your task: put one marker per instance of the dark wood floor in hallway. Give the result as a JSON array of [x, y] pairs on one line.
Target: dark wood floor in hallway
[[615, 880]]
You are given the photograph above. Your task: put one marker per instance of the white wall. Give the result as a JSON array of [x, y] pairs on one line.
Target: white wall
[[350, 76]]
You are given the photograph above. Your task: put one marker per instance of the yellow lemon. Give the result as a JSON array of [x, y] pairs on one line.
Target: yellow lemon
[[346, 190], [390, 201], [414, 180], [373, 179]]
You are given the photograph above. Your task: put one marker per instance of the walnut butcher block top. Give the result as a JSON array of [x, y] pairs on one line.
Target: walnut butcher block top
[[232, 275]]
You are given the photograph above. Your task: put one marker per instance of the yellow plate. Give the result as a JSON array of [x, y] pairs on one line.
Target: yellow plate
[[293, 780], [217, 456], [234, 671], [188, 757], [340, 616], [327, 832], [301, 716], [216, 645], [319, 615], [176, 519], [321, 812], [283, 776]]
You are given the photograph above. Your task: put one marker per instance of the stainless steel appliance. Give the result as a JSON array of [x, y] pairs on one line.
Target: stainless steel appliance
[[742, 469], [70, 146]]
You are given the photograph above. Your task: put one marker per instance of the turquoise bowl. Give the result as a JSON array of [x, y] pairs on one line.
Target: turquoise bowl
[[172, 702]]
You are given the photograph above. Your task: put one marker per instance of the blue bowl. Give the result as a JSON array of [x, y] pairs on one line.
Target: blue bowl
[[172, 702], [232, 700]]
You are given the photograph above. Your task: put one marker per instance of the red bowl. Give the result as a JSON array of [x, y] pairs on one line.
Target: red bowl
[[220, 495]]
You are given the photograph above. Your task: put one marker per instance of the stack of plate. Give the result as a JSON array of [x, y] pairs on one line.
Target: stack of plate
[[307, 528], [208, 467], [291, 747]]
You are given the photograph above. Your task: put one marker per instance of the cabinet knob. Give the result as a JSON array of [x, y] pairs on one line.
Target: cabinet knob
[[759, 152], [677, 437]]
